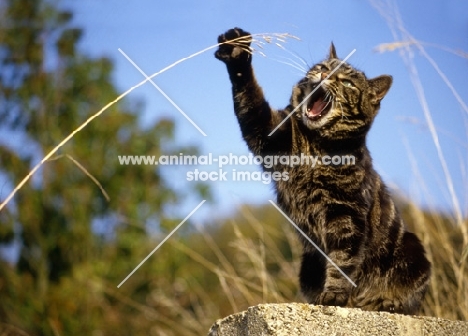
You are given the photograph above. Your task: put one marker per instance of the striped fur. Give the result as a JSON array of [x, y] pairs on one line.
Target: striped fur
[[345, 209]]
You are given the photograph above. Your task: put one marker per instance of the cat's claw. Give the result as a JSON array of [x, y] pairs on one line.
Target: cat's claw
[[391, 306], [333, 299], [234, 47]]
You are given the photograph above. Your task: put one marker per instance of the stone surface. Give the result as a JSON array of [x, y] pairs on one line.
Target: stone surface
[[297, 319]]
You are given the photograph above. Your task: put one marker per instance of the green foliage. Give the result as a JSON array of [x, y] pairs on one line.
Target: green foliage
[[48, 88]]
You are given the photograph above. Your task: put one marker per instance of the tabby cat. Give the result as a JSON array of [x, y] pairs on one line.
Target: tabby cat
[[345, 209]]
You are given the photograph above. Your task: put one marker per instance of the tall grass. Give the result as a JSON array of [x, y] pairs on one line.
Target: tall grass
[[445, 237], [254, 258], [259, 264]]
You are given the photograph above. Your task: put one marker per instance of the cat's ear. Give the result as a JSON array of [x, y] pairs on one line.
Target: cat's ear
[[380, 86], [332, 52]]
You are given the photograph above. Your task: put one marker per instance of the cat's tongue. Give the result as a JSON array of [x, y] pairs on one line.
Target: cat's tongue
[[316, 109]]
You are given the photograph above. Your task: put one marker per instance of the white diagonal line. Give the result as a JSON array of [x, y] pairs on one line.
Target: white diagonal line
[[310, 94], [162, 92], [315, 245], [161, 243]]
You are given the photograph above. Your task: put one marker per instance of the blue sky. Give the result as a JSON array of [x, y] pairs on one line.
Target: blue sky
[[155, 34]]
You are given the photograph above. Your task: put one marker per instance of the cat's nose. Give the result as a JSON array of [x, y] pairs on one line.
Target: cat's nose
[[324, 75]]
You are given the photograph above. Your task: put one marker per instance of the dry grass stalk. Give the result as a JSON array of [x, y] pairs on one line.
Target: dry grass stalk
[[265, 37], [448, 295]]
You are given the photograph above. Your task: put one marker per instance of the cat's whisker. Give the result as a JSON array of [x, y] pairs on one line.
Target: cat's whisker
[[325, 107], [340, 95], [329, 97], [298, 65], [342, 111], [298, 57], [295, 66]]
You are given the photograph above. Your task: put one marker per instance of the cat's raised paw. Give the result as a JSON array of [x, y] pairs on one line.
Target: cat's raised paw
[[234, 47]]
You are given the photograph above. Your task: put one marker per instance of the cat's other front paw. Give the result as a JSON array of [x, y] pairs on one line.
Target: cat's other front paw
[[234, 47], [391, 306], [333, 299]]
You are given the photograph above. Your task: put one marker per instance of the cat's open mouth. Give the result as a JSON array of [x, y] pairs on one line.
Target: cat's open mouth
[[318, 105]]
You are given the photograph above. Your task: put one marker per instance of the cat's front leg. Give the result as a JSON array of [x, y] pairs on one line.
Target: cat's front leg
[[344, 246], [256, 118], [337, 288]]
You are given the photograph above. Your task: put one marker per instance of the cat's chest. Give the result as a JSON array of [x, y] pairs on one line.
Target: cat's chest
[[310, 189], [305, 191]]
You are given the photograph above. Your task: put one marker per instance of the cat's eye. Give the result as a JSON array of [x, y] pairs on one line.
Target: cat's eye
[[347, 83], [321, 67]]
